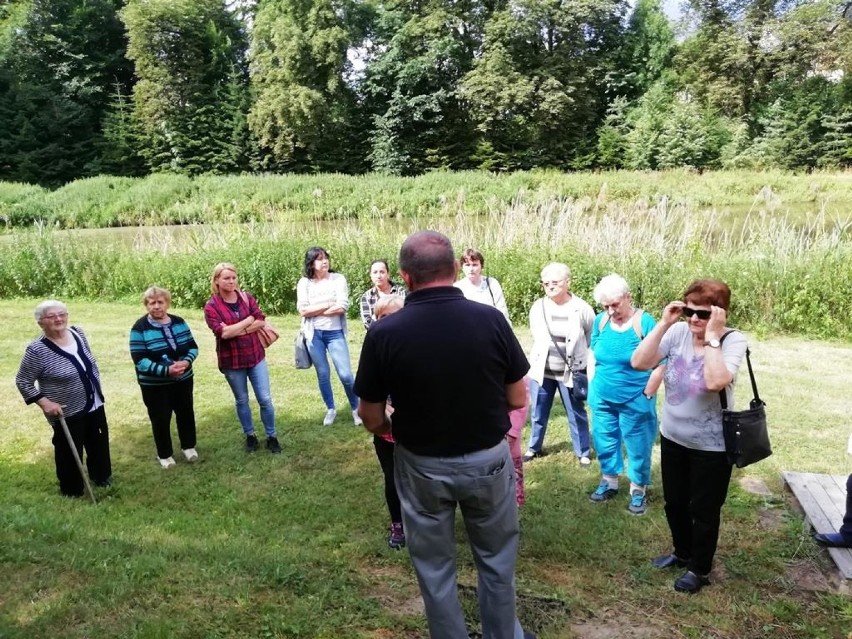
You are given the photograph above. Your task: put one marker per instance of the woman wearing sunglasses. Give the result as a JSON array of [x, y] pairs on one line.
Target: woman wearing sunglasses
[[703, 358]]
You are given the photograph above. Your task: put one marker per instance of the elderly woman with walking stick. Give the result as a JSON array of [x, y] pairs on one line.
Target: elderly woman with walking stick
[[59, 373]]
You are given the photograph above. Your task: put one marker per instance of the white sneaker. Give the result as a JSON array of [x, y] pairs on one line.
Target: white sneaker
[[168, 462], [357, 418], [329, 418], [191, 455], [585, 462]]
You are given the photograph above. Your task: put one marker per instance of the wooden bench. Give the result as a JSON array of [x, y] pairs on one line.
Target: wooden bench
[[823, 500]]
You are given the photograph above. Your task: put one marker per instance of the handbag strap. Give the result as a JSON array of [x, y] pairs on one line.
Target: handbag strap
[[568, 362], [723, 396]]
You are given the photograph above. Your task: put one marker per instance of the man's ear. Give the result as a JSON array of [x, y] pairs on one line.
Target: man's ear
[[405, 278]]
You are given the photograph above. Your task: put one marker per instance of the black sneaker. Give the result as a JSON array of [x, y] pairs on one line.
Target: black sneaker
[[251, 443], [272, 445]]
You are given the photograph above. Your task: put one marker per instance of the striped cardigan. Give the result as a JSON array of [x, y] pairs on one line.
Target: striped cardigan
[[48, 371], [149, 349]]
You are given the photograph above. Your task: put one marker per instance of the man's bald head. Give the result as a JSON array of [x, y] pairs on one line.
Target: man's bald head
[[427, 259]]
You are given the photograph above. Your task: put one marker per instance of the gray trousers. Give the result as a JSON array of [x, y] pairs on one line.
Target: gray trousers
[[483, 485]]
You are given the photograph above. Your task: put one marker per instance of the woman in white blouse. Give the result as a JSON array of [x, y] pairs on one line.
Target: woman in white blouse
[[479, 288], [322, 299]]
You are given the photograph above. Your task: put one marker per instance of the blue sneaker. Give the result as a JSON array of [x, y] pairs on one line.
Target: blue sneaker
[[638, 503], [603, 492]]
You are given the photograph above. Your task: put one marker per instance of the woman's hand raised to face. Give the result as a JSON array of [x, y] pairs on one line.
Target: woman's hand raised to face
[[716, 323], [672, 312]]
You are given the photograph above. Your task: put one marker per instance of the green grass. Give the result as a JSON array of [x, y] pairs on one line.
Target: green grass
[[293, 545], [107, 201]]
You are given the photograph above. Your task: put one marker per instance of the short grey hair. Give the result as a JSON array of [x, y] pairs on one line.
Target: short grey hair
[[559, 270], [44, 306], [610, 288]]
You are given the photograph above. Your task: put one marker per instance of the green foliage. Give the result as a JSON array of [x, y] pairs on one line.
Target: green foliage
[[785, 277], [189, 100], [303, 107], [56, 73]]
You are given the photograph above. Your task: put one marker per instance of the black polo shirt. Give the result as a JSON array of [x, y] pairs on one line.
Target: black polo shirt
[[445, 361]]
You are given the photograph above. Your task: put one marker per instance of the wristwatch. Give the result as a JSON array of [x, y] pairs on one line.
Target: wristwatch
[[712, 343]]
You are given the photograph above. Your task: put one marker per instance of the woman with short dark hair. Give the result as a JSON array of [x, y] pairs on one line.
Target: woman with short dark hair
[[478, 287], [322, 299], [703, 356], [383, 288]]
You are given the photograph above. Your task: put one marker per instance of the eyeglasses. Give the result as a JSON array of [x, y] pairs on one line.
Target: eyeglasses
[[553, 283], [612, 305], [700, 313], [54, 316]]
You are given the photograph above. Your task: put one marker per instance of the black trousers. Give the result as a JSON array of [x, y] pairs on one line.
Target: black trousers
[[384, 451], [695, 486], [90, 434], [161, 402], [846, 528]]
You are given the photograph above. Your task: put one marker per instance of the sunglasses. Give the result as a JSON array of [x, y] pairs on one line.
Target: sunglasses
[[700, 313], [553, 283]]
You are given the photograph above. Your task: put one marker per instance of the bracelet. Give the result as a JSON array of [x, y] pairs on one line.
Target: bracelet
[[647, 396]]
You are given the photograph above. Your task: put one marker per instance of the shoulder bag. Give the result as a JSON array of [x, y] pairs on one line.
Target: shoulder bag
[[580, 389], [302, 358], [745, 431], [267, 335]]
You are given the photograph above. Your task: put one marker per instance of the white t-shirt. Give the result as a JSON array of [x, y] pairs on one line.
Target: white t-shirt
[[692, 415], [331, 290], [488, 292]]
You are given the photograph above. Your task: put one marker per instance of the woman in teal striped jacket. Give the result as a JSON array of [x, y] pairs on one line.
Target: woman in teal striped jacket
[[163, 349]]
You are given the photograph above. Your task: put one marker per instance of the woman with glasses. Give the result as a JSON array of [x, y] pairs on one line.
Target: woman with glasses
[[322, 299], [622, 400], [59, 373], [561, 327], [703, 356]]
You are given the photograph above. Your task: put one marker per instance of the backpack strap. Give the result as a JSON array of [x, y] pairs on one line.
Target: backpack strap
[[636, 320]]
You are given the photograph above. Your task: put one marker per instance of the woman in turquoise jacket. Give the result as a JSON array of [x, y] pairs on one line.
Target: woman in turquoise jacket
[[622, 400]]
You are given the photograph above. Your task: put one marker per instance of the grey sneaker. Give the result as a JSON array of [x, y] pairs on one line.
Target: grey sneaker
[[638, 503], [603, 492], [330, 416]]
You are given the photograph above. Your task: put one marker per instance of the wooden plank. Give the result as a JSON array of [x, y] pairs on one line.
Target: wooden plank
[[823, 500]]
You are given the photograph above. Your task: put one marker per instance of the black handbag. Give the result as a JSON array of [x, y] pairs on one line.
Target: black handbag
[[745, 431]]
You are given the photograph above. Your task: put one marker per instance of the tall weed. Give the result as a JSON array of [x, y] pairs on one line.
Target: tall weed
[[785, 276]]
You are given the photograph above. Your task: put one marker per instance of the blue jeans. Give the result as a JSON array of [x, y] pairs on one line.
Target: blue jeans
[[482, 485], [333, 343], [238, 379], [541, 401]]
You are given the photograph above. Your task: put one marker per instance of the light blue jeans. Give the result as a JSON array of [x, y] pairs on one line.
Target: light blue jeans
[[541, 401], [238, 379], [333, 343]]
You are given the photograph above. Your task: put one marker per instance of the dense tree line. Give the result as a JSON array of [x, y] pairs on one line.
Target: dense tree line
[[404, 86]]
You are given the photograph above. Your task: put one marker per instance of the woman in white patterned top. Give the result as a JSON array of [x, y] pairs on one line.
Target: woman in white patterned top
[[322, 299], [561, 326], [485, 290]]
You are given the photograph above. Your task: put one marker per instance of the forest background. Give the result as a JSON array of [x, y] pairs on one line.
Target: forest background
[[90, 87]]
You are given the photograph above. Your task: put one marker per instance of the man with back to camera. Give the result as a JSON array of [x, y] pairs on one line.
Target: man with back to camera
[[453, 368]]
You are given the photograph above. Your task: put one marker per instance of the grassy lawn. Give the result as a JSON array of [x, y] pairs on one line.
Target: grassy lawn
[[293, 545]]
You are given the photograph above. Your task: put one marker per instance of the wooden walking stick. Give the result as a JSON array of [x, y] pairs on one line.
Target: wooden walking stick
[[85, 477]]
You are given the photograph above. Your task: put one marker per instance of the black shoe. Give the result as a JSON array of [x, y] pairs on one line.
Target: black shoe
[[667, 561], [251, 443], [833, 540], [690, 582], [272, 445], [530, 455], [104, 483]]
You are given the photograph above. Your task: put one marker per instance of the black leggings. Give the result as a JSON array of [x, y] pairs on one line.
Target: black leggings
[[384, 451]]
